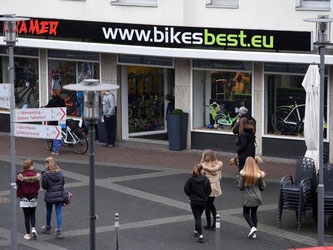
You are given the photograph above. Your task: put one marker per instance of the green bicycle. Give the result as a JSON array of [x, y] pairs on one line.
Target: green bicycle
[[221, 119]]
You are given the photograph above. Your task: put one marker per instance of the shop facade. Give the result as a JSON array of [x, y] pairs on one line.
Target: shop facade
[[211, 73]]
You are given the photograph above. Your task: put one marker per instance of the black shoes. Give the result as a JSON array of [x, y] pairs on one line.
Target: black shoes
[[109, 146], [209, 228], [200, 240]]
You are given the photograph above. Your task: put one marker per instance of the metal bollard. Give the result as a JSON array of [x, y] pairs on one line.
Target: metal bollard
[[116, 226], [217, 232]]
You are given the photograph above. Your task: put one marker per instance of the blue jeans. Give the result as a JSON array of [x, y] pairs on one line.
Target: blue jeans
[[58, 207], [56, 145]]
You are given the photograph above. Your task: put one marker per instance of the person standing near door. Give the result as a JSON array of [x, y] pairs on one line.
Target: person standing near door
[[109, 116]]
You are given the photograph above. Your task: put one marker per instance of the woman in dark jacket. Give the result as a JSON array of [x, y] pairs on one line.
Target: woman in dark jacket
[[246, 147], [198, 188], [27, 190], [56, 102], [53, 182]]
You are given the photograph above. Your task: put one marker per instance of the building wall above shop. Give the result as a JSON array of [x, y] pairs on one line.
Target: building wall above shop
[[259, 14]]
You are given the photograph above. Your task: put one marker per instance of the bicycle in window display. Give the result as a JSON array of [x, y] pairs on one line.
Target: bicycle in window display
[[287, 119], [26, 89], [220, 117]]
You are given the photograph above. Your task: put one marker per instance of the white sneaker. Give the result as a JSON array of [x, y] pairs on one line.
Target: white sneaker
[[254, 236], [34, 233], [252, 231], [27, 236]]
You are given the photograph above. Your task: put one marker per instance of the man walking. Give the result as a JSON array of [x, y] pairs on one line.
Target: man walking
[[109, 115]]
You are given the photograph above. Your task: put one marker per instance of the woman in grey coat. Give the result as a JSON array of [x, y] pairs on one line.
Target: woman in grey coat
[[251, 182], [53, 182]]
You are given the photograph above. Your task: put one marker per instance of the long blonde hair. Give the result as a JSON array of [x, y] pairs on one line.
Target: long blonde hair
[[251, 172], [53, 167], [209, 158]]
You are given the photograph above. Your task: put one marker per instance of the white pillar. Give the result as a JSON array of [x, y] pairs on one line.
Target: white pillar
[[258, 82], [183, 90]]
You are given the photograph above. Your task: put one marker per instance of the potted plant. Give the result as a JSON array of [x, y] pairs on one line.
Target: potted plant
[[177, 129]]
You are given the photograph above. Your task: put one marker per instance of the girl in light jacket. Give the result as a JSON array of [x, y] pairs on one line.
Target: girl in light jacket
[[251, 182], [213, 170]]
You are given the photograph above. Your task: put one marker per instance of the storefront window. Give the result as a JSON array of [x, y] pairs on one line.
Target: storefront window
[[145, 99], [26, 79], [285, 99], [63, 72], [218, 95]]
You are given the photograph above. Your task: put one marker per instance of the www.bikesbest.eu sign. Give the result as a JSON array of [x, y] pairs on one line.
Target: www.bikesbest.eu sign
[[165, 36]]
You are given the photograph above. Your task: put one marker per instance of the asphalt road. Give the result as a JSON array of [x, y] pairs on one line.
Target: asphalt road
[[154, 212]]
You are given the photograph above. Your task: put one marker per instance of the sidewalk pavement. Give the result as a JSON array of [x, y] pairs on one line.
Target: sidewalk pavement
[[145, 153]]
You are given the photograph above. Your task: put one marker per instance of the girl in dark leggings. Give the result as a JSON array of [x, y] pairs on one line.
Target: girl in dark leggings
[[29, 218], [27, 190], [251, 182], [197, 187]]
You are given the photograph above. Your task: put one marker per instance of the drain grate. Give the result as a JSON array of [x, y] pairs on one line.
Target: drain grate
[[4, 200]]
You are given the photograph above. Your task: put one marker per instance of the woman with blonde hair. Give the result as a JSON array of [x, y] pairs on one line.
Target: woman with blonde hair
[[197, 187], [251, 182], [53, 182], [213, 170]]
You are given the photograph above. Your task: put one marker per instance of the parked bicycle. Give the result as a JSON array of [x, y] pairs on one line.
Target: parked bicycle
[[72, 137]]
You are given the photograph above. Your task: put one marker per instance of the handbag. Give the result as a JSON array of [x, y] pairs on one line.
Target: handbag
[[67, 198]]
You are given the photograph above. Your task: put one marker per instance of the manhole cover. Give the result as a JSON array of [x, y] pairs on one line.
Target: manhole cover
[[4, 200]]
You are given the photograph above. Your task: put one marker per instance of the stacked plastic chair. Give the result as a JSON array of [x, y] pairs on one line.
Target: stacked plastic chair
[[328, 185], [299, 194]]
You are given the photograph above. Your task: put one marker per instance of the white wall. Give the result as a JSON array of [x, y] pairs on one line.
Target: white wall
[[252, 14]]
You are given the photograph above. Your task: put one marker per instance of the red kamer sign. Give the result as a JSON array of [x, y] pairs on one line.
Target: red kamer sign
[[36, 27]]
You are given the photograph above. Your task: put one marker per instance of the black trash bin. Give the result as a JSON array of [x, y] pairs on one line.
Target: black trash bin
[[102, 136], [177, 131]]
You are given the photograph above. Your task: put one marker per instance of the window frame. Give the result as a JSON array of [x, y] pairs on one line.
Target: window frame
[[192, 96], [135, 3], [264, 99], [228, 4], [313, 5]]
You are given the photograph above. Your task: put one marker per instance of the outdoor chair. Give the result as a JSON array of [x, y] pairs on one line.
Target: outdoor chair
[[299, 194], [328, 185]]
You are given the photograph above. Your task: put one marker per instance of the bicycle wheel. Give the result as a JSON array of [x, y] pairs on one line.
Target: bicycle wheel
[[48, 144], [80, 146], [221, 120], [130, 113], [33, 100], [281, 125]]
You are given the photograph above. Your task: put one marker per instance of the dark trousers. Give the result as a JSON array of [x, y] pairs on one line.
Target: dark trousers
[[29, 217], [110, 127], [250, 215], [241, 164], [197, 210], [210, 208]]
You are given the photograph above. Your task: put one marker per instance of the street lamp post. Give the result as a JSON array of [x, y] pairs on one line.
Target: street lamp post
[[323, 23], [10, 38], [91, 116]]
